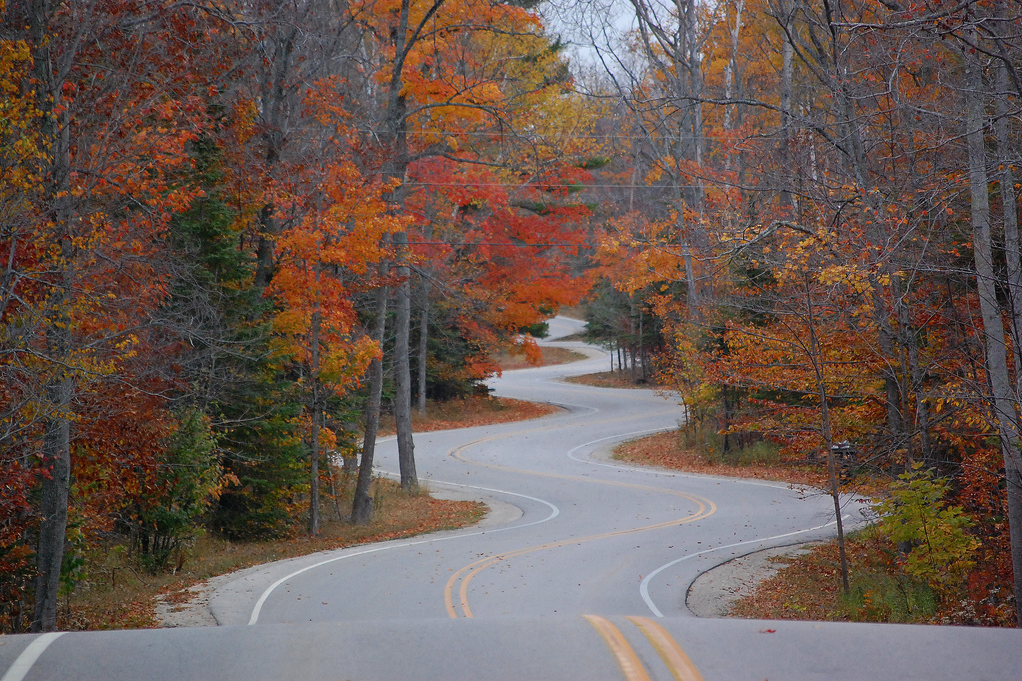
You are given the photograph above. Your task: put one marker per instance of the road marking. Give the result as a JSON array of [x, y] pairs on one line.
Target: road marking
[[625, 655], [650, 431], [554, 512], [670, 652], [644, 585], [28, 657], [456, 454], [467, 573]]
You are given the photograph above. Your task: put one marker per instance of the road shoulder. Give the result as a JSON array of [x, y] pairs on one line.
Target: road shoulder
[[714, 592], [195, 610]]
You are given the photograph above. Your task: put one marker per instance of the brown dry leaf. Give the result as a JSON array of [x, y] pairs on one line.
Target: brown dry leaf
[[663, 449]]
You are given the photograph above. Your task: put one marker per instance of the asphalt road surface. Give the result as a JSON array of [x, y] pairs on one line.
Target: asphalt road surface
[[581, 572]]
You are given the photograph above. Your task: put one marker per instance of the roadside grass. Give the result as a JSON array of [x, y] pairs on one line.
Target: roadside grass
[[115, 594], [551, 356], [759, 460], [608, 379], [475, 410]]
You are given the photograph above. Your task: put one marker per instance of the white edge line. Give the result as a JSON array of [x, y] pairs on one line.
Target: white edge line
[[644, 585], [572, 451], [554, 512], [665, 473], [29, 655]]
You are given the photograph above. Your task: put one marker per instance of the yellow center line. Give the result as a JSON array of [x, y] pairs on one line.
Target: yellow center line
[[468, 572], [670, 652], [456, 454], [449, 588], [626, 657]]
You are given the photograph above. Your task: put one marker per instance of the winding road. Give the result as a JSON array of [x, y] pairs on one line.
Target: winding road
[[580, 572]]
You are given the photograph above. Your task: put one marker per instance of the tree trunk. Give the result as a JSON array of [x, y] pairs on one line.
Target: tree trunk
[[787, 69], [816, 357], [314, 439], [892, 389], [273, 96], [731, 72], [1012, 245], [998, 375], [54, 495], [54, 490], [916, 390], [333, 493], [631, 334], [695, 71], [362, 503], [642, 348], [402, 372], [691, 290], [396, 125], [423, 344]]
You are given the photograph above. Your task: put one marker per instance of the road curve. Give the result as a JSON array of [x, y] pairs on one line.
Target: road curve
[[582, 575], [593, 536]]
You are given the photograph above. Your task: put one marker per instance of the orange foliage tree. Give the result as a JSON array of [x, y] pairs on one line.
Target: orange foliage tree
[[456, 86], [340, 219]]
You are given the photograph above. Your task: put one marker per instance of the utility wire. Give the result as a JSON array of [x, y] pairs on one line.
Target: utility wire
[[555, 135], [543, 187], [486, 243]]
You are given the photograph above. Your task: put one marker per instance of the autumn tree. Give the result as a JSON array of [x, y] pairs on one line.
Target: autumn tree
[[341, 221], [21, 154], [996, 339], [450, 92], [214, 326], [115, 115]]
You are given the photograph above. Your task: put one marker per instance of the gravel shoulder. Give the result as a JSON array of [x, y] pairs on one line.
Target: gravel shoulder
[[194, 610], [714, 592]]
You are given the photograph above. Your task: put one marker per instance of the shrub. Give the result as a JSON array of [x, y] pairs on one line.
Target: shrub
[[916, 515]]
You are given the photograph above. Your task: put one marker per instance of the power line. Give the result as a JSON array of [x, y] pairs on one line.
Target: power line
[[770, 135], [485, 243], [543, 187], [555, 135]]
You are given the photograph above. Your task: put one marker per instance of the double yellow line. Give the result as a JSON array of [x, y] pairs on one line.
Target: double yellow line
[[467, 573], [673, 657]]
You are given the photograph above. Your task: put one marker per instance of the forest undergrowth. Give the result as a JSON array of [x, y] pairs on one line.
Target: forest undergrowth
[[808, 586], [112, 592], [550, 356], [608, 379]]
